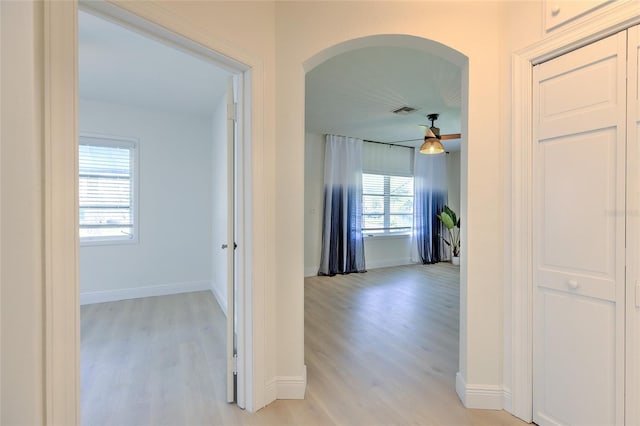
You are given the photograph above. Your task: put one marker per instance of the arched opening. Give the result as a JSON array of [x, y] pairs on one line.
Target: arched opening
[[374, 98]]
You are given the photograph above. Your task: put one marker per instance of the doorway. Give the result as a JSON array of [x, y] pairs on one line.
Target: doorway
[[171, 225], [385, 250]]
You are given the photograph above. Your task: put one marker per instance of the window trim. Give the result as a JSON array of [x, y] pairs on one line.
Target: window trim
[[386, 233], [133, 144]]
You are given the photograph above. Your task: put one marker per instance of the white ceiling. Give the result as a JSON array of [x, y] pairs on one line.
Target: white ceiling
[[122, 66], [353, 94]]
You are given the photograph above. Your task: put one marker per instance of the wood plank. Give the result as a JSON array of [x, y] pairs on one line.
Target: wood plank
[[380, 347]]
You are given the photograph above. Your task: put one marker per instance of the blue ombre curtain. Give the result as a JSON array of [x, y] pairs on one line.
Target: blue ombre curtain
[[430, 195], [342, 244]]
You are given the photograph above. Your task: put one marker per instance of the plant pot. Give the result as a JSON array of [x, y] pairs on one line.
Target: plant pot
[[455, 260]]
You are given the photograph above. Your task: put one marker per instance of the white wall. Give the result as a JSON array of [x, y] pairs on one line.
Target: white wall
[[383, 251], [304, 32], [175, 187], [453, 181], [314, 145], [219, 203]]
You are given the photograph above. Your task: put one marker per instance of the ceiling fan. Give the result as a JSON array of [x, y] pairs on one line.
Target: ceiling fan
[[432, 137], [436, 130]]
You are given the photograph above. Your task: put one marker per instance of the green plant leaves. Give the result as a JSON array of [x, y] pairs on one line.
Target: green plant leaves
[[452, 223], [447, 220]]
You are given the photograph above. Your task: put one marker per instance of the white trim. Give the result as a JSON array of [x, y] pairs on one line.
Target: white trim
[[60, 162], [271, 390], [612, 18], [222, 301], [133, 145], [290, 387], [506, 398], [312, 271], [102, 296], [487, 397], [385, 263]]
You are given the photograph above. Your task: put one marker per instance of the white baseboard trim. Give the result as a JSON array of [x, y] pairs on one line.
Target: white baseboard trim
[[271, 391], [488, 397], [312, 271], [507, 405], [287, 387], [222, 302], [102, 296], [385, 263]]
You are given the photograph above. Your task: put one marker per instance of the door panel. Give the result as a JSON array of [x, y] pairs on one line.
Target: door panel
[[579, 236], [567, 383], [581, 165], [579, 91]]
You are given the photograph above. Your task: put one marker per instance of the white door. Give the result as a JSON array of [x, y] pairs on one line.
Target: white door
[[633, 223], [579, 236], [231, 246]]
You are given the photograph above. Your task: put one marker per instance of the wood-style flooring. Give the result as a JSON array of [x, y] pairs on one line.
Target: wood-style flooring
[[381, 348]]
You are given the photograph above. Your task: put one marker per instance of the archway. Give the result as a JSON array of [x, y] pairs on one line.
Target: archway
[[434, 49]]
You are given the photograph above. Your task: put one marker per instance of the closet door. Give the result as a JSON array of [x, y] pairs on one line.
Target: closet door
[[579, 236], [633, 222]]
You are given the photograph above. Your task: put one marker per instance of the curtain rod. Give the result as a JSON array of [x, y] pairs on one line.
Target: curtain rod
[[392, 144]]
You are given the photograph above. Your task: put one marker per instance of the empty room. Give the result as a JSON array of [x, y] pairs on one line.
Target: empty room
[[153, 199]]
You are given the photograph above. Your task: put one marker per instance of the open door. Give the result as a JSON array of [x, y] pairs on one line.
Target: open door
[[232, 354]]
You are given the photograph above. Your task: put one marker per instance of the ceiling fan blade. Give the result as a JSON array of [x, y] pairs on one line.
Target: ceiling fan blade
[[451, 136]]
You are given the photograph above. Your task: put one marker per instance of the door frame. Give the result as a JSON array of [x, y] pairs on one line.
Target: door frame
[[612, 18], [60, 165]]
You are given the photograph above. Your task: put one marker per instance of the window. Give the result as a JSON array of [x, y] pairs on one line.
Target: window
[[107, 190], [387, 204]]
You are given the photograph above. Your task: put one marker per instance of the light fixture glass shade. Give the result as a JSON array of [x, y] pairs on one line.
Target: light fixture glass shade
[[431, 146]]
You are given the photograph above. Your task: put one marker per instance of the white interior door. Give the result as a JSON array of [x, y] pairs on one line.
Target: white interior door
[[231, 246], [632, 405], [579, 236]]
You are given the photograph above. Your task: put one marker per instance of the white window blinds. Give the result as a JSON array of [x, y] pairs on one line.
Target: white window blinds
[[106, 189], [387, 204]]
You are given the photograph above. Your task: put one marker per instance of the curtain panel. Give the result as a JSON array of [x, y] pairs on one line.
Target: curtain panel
[[430, 196], [342, 243]]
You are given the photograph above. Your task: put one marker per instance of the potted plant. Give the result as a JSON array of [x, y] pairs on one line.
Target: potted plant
[[452, 223]]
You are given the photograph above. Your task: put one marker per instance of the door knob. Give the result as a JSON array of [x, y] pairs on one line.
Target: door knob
[[573, 284], [224, 246]]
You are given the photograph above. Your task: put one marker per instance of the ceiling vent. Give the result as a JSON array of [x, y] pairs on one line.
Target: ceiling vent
[[404, 110]]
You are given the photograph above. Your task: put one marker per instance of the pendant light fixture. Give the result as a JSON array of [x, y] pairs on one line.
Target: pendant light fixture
[[432, 144]]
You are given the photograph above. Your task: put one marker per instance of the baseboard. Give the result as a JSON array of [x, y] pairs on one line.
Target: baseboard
[[507, 405], [385, 263], [222, 302], [488, 397], [271, 391], [312, 271], [286, 387], [102, 296]]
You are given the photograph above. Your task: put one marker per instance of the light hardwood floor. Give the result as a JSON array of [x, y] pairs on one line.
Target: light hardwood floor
[[381, 348]]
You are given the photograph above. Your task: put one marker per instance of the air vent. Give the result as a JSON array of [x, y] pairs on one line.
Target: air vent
[[404, 110]]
